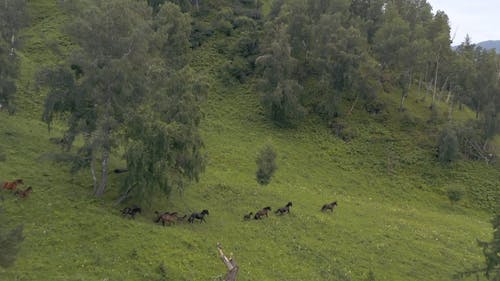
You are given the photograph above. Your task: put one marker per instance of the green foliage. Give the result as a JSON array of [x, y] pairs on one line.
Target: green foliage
[[448, 147], [172, 33], [108, 79], [455, 194], [137, 72], [266, 165], [13, 17], [164, 144], [491, 251], [473, 143], [223, 21], [281, 92]]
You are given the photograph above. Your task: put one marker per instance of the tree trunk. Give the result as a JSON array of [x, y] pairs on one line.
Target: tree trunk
[[92, 171], [232, 266], [450, 106], [404, 94], [353, 104], [123, 196], [12, 43], [104, 171], [435, 83]]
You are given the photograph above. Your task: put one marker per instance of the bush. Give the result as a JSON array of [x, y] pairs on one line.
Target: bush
[[455, 194], [266, 165], [223, 21]]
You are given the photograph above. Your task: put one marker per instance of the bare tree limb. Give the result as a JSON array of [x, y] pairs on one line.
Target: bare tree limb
[[232, 267]]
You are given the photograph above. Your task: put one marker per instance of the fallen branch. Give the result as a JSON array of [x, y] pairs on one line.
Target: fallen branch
[[232, 267]]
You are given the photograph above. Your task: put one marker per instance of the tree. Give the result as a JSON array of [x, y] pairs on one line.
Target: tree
[[8, 73], [281, 92], [13, 17], [172, 29], [128, 86], [448, 146], [266, 165], [164, 144], [108, 80], [491, 252]]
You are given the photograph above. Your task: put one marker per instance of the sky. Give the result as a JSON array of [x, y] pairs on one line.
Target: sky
[[478, 18]]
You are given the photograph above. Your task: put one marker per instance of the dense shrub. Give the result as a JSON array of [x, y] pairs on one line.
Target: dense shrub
[[455, 194], [266, 165]]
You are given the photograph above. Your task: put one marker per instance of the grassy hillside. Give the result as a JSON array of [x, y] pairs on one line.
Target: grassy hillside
[[393, 216]]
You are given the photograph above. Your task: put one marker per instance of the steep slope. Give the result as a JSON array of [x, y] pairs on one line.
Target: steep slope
[[393, 217]]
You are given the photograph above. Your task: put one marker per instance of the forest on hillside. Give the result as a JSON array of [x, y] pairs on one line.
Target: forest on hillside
[[127, 80], [126, 85]]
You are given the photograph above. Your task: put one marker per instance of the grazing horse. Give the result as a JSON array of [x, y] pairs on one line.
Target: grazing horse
[[284, 210], [329, 206], [24, 193], [262, 213], [247, 216], [199, 216], [12, 184], [131, 211], [167, 218]]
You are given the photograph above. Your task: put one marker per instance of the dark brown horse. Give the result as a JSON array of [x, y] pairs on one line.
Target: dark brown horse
[[329, 206], [24, 193], [167, 218], [262, 213], [284, 210], [12, 185], [198, 216]]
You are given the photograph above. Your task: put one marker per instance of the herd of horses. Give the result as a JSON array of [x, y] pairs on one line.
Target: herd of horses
[[169, 218], [12, 186]]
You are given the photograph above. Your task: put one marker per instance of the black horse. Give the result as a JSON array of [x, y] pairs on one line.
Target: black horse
[[199, 216], [131, 211], [284, 210], [329, 206], [247, 216], [262, 213]]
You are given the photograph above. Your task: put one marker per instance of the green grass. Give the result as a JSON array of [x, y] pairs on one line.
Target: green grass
[[393, 218]]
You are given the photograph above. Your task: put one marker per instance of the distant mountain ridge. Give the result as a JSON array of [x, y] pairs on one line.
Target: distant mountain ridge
[[490, 44]]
